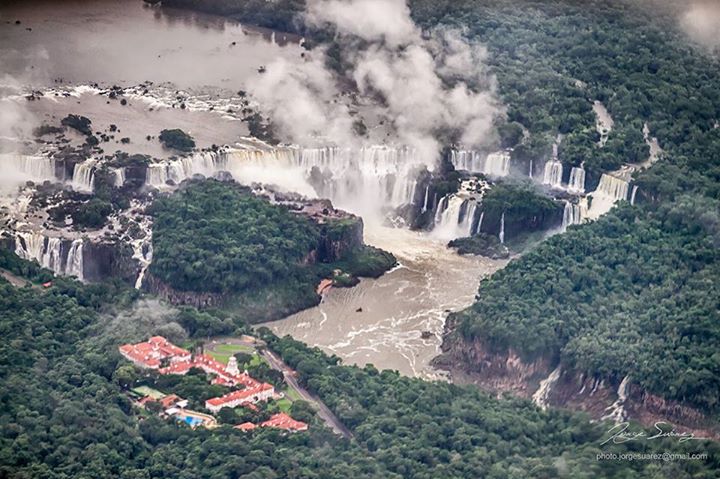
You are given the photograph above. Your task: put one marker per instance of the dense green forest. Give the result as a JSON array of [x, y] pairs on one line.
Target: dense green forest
[[64, 413], [636, 292], [217, 237]]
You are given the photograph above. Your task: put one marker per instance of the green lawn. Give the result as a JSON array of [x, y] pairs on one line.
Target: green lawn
[[222, 352], [292, 394], [148, 391], [284, 404]]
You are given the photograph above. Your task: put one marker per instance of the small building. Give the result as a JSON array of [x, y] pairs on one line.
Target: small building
[[246, 426], [283, 421]]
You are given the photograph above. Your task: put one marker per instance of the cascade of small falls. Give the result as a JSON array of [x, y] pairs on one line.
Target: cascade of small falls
[[632, 195], [542, 395], [494, 164], [577, 180], [83, 175], [572, 215], [425, 201], [455, 218], [617, 409], [143, 249], [205, 163], [609, 190], [552, 175], [502, 229], [48, 252]]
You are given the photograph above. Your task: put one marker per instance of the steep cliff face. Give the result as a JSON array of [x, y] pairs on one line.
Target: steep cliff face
[[338, 238], [189, 298], [111, 259], [601, 397]]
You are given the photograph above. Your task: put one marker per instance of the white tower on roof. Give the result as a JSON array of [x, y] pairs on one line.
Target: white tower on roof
[[232, 366]]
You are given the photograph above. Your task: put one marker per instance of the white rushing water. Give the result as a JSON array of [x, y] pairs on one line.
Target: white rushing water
[[455, 217], [604, 122], [26, 167], [367, 179], [552, 174], [610, 190], [495, 164], [84, 175], [142, 246], [50, 253], [576, 184], [617, 412], [574, 214], [542, 395], [501, 236]]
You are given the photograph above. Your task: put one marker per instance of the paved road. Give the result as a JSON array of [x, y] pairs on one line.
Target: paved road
[[13, 279], [323, 411]]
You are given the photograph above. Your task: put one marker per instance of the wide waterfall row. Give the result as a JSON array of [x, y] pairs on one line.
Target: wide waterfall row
[[84, 175], [369, 178], [51, 253], [494, 164], [613, 187], [609, 190], [577, 180], [204, 163], [29, 167], [574, 214], [455, 217], [552, 175]]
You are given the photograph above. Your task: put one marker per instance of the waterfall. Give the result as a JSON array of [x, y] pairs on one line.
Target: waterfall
[[456, 219], [83, 175], [612, 187], [502, 229], [204, 163], [494, 164], [609, 190], [542, 395], [372, 177], [467, 160], [497, 164], [35, 167], [577, 180], [480, 221], [530, 173], [142, 246], [617, 409], [48, 252], [632, 195], [572, 215], [552, 174], [119, 177], [74, 265], [425, 201]]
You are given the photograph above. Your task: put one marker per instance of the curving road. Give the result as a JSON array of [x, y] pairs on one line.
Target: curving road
[[322, 410]]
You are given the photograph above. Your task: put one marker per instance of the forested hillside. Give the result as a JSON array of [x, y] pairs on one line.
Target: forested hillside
[[636, 292], [64, 413]]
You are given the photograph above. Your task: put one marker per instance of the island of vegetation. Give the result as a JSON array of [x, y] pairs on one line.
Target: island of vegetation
[[217, 244]]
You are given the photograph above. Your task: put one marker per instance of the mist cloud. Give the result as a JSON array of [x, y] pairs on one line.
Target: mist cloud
[[701, 21], [423, 83]]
